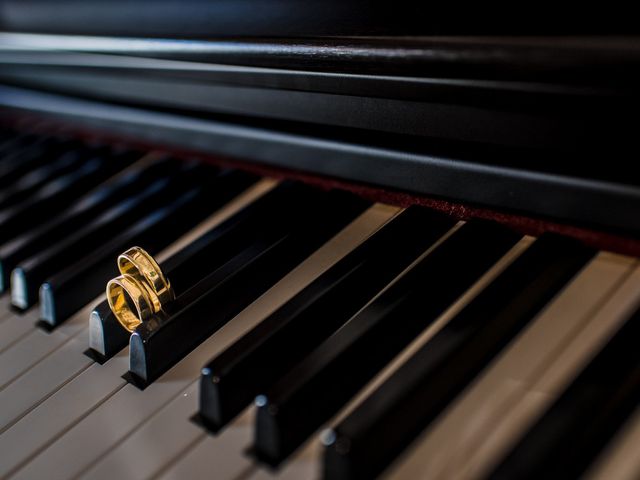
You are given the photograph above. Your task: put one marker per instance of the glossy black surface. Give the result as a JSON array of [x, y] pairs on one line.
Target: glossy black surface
[[564, 442], [212, 250], [106, 336], [68, 289], [19, 161], [83, 210], [231, 381], [55, 196], [295, 233], [572, 186], [123, 214], [35, 177], [196, 261], [285, 18], [302, 400], [370, 438]]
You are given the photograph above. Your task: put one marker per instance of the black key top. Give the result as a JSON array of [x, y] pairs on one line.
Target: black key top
[[155, 346], [9, 143], [17, 142], [21, 161], [32, 180], [568, 437], [327, 378], [71, 288], [27, 277], [233, 379], [386, 422], [188, 267], [211, 251], [131, 180], [106, 336], [55, 196]]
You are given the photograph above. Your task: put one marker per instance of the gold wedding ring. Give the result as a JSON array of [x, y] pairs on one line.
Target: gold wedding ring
[[140, 292]]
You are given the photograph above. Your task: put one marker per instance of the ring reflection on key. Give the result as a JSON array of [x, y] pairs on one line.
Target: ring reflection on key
[[140, 292]]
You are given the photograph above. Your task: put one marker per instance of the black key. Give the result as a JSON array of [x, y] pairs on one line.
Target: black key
[[193, 263], [5, 134], [211, 251], [13, 142], [106, 335], [19, 142], [568, 437], [21, 161], [327, 378], [157, 345], [55, 196], [16, 142], [27, 277], [70, 289], [232, 380], [131, 180], [386, 422], [32, 180]]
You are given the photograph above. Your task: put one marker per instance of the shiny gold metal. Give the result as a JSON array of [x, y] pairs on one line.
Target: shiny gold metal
[[139, 264], [129, 301], [140, 291]]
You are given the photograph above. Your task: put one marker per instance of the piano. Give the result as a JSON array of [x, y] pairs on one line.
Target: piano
[[334, 240]]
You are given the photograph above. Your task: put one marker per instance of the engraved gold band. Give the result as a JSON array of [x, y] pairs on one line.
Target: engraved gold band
[[139, 264], [140, 291]]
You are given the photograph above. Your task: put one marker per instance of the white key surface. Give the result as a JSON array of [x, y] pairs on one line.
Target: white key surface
[[42, 426], [5, 305], [41, 381], [15, 327], [221, 457], [36, 344], [50, 372], [24, 354]]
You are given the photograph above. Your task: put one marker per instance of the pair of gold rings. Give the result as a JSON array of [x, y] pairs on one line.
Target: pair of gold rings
[[141, 290]]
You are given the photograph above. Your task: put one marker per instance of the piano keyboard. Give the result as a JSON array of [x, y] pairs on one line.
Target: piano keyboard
[[314, 334]]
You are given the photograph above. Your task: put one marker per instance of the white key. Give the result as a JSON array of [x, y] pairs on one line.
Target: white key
[[103, 428], [468, 438], [24, 354], [56, 369], [5, 304], [35, 345], [14, 328], [67, 406], [620, 459], [140, 455], [307, 462], [221, 457]]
